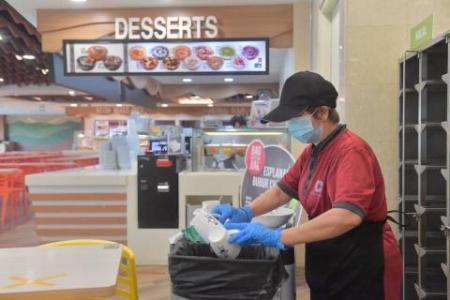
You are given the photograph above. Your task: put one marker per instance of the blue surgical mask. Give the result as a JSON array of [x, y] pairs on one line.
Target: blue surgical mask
[[302, 129]]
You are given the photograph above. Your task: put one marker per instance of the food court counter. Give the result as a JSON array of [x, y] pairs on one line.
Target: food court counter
[[81, 203], [100, 204]]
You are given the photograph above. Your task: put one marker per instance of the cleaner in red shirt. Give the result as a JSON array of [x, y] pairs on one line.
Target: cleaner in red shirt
[[351, 251]]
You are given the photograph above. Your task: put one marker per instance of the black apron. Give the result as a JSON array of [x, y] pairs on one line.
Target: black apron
[[348, 267]]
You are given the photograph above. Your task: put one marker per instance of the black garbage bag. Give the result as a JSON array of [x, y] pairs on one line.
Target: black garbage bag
[[197, 273]]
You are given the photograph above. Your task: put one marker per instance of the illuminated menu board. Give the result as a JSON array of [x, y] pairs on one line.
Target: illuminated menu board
[[170, 57]]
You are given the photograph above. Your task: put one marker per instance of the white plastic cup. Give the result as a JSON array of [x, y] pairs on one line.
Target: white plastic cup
[[218, 240], [207, 206], [205, 223]]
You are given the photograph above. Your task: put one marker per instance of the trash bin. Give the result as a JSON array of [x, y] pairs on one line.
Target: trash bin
[[196, 273]]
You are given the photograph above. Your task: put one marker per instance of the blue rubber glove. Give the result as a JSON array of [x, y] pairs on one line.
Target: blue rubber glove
[[233, 214], [255, 233]]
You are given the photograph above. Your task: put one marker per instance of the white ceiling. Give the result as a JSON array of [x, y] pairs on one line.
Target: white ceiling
[[28, 7]]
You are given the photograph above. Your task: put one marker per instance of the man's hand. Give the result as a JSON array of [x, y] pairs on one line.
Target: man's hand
[[233, 214], [255, 233]]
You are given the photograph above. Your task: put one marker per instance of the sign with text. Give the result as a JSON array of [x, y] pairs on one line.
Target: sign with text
[[265, 166], [422, 33], [169, 57], [162, 28]]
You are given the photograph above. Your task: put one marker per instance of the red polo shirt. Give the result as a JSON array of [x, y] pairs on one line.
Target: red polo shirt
[[343, 172]]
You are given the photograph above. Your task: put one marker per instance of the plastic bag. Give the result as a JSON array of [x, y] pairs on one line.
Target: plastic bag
[[196, 272]]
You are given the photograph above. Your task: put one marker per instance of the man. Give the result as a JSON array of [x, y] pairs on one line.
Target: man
[[351, 252]]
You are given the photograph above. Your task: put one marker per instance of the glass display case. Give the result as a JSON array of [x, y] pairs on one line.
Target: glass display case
[[223, 149]]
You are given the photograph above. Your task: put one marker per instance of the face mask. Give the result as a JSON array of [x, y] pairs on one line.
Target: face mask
[[302, 129]]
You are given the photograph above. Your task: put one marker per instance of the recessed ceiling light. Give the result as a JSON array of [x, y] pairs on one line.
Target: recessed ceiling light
[[187, 79], [89, 98], [29, 56], [72, 93], [37, 98], [228, 79], [164, 105], [210, 105], [249, 97], [19, 57], [195, 101], [2, 79], [119, 104], [73, 105]]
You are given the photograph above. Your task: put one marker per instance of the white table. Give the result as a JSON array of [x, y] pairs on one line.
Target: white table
[[55, 273]]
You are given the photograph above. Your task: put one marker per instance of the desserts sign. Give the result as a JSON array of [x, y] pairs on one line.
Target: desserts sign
[[197, 57], [162, 28]]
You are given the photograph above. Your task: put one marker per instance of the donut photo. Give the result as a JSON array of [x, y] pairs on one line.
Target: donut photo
[[238, 63], [97, 52], [192, 63], [149, 63], [215, 62], [182, 52], [171, 63], [160, 52], [137, 53], [204, 52], [227, 52], [250, 52]]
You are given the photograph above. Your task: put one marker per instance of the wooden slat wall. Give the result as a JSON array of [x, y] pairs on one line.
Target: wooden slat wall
[[81, 220], [272, 21], [79, 196], [60, 216]]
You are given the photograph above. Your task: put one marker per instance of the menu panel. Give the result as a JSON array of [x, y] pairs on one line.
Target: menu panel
[[95, 57], [249, 56]]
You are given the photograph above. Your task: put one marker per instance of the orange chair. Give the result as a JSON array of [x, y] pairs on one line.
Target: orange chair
[[7, 193], [20, 190]]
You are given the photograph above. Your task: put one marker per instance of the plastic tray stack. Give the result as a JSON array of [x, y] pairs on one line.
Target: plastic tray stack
[[424, 160]]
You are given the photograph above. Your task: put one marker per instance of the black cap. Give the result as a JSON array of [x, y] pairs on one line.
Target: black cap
[[300, 91]]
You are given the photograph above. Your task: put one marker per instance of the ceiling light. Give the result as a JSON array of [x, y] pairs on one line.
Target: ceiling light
[[89, 98], [2, 79], [29, 56], [44, 71], [228, 79], [119, 105], [1, 38], [249, 97], [72, 93], [187, 79], [195, 101], [37, 98], [164, 105], [18, 57], [210, 105], [73, 105]]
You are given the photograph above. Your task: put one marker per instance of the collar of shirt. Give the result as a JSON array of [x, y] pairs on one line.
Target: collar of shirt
[[320, 146]]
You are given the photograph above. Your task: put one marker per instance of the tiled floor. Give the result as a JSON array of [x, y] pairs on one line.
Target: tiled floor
[[154, 283]]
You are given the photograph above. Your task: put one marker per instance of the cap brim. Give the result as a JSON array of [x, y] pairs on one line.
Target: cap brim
[[281, 114]]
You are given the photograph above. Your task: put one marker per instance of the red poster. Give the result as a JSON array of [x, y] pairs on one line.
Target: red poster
[[255, 158]]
